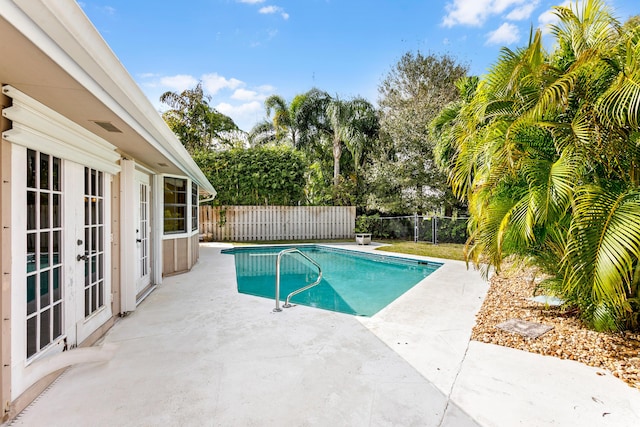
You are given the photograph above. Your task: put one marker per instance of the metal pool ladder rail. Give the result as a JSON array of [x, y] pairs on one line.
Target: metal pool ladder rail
[[297, 291]]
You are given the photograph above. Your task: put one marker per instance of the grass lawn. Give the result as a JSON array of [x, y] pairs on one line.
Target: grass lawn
[[441, 250]]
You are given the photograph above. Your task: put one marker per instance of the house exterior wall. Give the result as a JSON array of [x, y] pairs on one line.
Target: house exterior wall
[[59, 91], [5, 264], [116, 302], [179, 254]]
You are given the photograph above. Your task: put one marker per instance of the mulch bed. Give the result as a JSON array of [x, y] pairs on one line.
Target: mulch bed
[[506, 299]]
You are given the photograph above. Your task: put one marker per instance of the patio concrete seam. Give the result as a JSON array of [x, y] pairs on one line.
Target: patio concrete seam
[[453, 384]]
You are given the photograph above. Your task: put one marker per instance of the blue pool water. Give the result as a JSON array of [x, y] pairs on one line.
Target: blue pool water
[[352, 282]]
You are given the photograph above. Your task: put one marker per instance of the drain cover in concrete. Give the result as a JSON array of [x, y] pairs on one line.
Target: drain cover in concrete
[[524, 328]]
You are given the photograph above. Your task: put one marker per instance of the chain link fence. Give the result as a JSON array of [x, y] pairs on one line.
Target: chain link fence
[[421, 228]]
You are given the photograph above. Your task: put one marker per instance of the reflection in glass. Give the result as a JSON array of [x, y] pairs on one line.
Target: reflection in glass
[[32, 208], [31, 294], [44, 171], [57, 320], [94, 299], [32, 337], [86, 180], [93, 182], [57, 218], [56, 244], [100, 293], [32, 169], [94, 215], [87, 278], [87, 302], [44, 250], [45, 328], [87, 211], [101, 238], [94, 240], [31, 253], [44, 289], [44, 210], [57, 179], [57, 290]]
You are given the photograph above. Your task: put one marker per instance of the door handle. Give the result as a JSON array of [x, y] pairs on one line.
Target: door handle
[[82, 257], [139, 240]]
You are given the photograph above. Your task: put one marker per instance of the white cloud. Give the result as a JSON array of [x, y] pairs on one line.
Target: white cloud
[[246, 95], [266, 89], [523, 12], [178, 82], [244, 115], [268, 10], [476, 12], [214, 82], [506, 34]]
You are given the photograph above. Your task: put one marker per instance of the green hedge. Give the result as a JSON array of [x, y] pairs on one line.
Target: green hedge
[[255, 176]]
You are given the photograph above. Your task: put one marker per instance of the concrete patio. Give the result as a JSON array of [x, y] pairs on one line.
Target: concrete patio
[[197, 353]]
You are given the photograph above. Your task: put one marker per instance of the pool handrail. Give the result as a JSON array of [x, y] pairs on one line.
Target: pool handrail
[[297, 291]]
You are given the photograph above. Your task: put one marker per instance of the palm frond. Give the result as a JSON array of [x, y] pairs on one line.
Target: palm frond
[[604, 246]]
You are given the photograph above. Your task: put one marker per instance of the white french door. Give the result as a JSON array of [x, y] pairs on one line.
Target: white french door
[[93, 306], [61, 289], [143, 232]]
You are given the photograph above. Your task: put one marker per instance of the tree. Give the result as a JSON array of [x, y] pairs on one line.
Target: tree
[[353, 125], [280, 126], [331, 124], [545, 151], [196, 123], [410, 96], [262, 133]]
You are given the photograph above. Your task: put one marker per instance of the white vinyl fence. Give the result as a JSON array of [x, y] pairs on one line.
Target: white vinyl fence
[[264, 223]]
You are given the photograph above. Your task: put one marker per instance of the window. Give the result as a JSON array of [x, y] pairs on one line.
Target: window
[[94, 298], [194, 206], [175, 205], [44, 244]]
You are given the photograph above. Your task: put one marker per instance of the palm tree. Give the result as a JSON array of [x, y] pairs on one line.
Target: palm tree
[[284, 117], [353, 125], [262, 133], [546, 153], [195, 122]]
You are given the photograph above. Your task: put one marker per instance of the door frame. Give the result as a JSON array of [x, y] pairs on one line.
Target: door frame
[[143, 178], [129, 192]]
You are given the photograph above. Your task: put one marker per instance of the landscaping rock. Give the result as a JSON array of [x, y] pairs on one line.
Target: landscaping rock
[[508, 298]]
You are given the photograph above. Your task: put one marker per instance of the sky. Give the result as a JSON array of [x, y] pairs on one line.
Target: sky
[[246, 50]]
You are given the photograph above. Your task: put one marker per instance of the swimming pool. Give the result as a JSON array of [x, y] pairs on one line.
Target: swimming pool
[[352, 282]]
